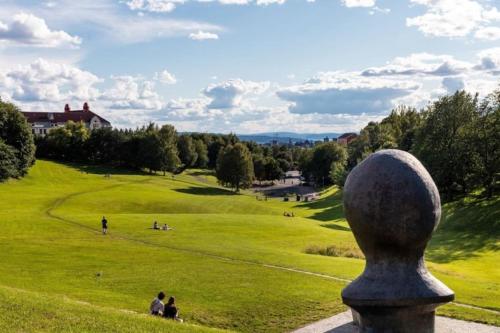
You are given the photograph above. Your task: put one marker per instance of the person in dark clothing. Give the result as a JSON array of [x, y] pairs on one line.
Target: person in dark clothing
[[170, 311], [104, 223]]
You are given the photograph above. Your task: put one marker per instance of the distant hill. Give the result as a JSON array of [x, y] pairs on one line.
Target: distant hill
[[285, 137]]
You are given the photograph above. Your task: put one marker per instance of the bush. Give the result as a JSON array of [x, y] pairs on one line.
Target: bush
[[17, 149]]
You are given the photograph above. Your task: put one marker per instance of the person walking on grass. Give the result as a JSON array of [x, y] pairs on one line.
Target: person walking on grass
[[157, 307], [104, 223], [170, 310]]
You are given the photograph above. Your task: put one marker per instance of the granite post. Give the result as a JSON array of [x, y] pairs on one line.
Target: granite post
[[393, 206]]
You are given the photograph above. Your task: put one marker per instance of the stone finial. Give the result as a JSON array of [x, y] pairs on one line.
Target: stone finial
[[86, 107], [67, 108], [393, 206]]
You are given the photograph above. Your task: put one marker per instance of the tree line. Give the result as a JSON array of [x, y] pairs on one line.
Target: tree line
[[457, 138]]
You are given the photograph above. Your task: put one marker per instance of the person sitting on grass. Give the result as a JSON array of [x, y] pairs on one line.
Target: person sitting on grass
[[155, 225], [170, 310], [165, 227], [157, 307]]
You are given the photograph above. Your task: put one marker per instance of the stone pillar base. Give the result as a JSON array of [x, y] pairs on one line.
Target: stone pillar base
[[411, 319]]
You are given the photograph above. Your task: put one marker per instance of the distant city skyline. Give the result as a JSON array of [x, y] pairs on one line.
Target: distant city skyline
[[245, 66]]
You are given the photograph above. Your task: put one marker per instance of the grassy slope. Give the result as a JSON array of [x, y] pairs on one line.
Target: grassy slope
[[50, 243]]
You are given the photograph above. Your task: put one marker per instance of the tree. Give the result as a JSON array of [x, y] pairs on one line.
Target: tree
[[68, 142], [8, 162], [201, 153], [169, 158], [487, 141], [259, 167], [445, 144], [18, 148], [235, 167], [323, 156], [273, 170], [187, 151], [103, 146], [402, 125]]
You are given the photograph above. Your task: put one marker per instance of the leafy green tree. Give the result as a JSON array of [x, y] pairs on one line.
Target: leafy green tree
[[487, 141], [104, 146], [68, 142], [167, 149], [201, 153], [272, 168], [259, 167], [323, 156], [8, 162], [18, 144], [445, 142], [235, 167], [187, 151], [402, 125]]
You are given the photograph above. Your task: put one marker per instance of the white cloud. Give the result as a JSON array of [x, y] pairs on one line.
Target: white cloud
[[488, 33], [229, 94], [420, 64], [27, 29], [456, 18], [345, 93], [159, 6], [202, 35], [358, 3], [50, 82], [130, 92], [165, 77], [106, 20]]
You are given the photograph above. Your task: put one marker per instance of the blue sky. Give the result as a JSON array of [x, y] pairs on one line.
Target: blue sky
[[246, 66]]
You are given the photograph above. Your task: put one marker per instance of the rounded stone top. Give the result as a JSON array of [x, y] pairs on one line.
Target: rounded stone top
[[392, 205]]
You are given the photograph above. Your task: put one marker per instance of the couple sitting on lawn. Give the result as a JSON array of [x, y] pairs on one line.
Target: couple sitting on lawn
[[169, 310]]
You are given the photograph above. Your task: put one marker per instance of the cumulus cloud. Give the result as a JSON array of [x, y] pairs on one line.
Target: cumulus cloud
[[28, 29], [159, 6], [50, 82], [358, 3], [456, 18], [420, 64], [165, 77], [203, 35], [229, 94], [345, 93], [130, 92]]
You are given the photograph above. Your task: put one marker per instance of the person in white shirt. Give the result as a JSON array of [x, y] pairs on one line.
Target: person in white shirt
[[157, 307]]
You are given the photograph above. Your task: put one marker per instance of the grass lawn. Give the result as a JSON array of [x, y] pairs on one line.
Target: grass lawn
[[232, 262]]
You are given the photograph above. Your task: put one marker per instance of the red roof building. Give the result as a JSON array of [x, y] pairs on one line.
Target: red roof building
[[42, 122], [345, 138]]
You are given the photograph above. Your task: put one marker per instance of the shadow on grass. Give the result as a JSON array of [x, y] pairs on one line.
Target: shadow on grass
[[335, 227], [200, 173], [99, 169], [465, 229], [204, 191], [328, 208]]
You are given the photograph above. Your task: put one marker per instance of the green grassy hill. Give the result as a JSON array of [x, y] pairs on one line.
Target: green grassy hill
[[232, 262]]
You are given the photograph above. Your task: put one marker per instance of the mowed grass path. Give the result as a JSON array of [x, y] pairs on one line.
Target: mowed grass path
[[230, 260]]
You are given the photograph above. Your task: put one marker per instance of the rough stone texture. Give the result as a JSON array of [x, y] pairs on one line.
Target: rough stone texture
[[342, 323], [393, 206]]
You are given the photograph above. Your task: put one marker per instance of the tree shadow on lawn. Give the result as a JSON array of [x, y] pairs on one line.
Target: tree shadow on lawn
[[204, 191], [465, 229], [334, 226], [101, 169], [201, 173], [329, 208]]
